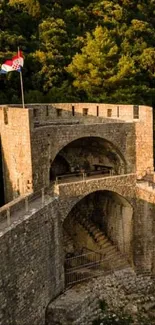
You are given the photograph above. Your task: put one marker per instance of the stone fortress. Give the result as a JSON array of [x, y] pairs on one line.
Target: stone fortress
[[79, 202]]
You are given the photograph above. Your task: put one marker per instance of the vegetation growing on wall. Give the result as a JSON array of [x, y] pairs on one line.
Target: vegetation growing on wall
[[80, 50]]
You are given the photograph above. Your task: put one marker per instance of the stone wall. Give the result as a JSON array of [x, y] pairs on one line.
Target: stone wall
[[31, 251], [16, 151], [117, 215], [123, 185], [144, 228], [31, 266], [20, 205], [28, 152], [108, 212], [57, 111], [144, 144], [143, 242], [142, 137], [145, 192], [133, 141], [46, 143]]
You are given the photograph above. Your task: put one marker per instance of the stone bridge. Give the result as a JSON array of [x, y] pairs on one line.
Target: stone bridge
[[113, 183], [31, 248]]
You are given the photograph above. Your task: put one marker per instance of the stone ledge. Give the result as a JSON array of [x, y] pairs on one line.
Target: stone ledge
[[122, 184]]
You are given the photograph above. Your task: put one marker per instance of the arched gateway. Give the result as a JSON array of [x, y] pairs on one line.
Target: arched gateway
[[97, 235], [88, 154]]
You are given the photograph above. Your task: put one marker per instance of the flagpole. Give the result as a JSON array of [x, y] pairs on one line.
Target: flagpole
[[22, 91], [21, 83]]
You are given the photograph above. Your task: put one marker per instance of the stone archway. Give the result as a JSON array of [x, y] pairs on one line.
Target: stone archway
[[89, 154], [98, 218]]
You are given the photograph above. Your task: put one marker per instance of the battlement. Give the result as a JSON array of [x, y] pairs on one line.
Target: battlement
[[34, 137], [83, 112]]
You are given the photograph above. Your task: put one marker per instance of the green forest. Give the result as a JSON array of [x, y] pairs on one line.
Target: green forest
[[79, 50]]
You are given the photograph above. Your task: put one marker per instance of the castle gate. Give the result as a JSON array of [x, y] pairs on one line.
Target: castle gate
[[90, 155], [61, 149]]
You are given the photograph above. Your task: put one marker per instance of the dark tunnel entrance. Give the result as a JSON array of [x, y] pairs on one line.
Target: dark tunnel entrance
[[91, 155], [99, 227], [59, 167]]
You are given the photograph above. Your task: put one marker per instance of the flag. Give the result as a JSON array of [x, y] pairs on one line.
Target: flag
[[13, 65]]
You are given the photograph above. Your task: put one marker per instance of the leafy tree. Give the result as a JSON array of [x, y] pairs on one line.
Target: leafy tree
[[98, 50], [32, 6], [96, 64]]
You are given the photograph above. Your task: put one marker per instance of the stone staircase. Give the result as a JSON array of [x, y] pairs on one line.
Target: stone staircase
[[114, 259], [103, 258]]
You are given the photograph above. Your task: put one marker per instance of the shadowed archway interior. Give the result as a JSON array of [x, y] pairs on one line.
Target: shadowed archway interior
[[102, 214], [85, 154]]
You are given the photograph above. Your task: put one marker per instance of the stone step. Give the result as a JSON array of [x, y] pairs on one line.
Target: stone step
[[108, 265], [115, 263], [116, 255], [96, 232], [90, 227], [89, 223], [98, 235], [104, 243], [101, 239], [120, 259], [113, 258], [121, 262]]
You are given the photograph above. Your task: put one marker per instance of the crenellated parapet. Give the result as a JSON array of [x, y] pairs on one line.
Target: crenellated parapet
[[33, 137]]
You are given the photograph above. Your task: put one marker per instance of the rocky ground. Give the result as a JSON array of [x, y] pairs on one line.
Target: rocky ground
[[121, 292]]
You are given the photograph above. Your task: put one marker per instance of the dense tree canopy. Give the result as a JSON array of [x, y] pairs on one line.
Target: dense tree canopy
[[79, 50]]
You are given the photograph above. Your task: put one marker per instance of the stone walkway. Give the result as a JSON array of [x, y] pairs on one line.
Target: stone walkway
[[21, 214], [36, 204]]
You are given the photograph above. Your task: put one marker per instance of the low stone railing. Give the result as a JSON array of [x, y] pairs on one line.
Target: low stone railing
[[23, 203], [69, 188], [127, 182], [83, 176]]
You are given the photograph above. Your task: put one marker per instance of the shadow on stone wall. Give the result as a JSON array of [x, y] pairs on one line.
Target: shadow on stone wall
[[6, 188], [92, 155]]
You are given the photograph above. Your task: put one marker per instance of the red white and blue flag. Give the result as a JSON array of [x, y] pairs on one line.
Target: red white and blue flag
[[15, 64]]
